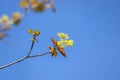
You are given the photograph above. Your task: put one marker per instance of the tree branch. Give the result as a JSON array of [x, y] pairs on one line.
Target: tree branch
[[23, 58], [14, 62]]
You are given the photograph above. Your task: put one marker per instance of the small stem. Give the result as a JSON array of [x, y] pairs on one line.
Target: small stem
[[33, 41], [31, 48], [38, 55]]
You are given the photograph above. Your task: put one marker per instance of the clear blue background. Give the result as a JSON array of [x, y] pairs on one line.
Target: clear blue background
[[94, 25]]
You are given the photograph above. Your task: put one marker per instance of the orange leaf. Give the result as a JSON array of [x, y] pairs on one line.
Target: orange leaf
[[61, 50]]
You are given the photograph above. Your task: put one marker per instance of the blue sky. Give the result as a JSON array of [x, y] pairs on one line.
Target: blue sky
[[94, 25]]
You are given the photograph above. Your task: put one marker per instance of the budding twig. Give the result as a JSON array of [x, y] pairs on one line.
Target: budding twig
[[37, 55], [25, 57], [33, 41], [14, 62]]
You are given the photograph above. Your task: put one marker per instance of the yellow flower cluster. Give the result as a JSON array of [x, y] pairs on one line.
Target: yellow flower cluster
[[64, 43], [36, 5], [4, 20], [62, 35], [64, 40], [34, 32], [24, 4]]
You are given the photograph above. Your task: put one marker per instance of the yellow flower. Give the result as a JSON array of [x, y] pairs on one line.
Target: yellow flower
[[59, 43], [38, 6], [62, 35], [35, 32], [62, 46], [58, 34], [62, 43], [5, 18], [16, 17], [70, 42], [66, 36], [30, 31], [66, 42], [24, 4]]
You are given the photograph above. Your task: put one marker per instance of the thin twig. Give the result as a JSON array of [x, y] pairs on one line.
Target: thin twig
[[21, 59], [33, 41], [25, 57], [37, 55], [31, 48], [14, 62]]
